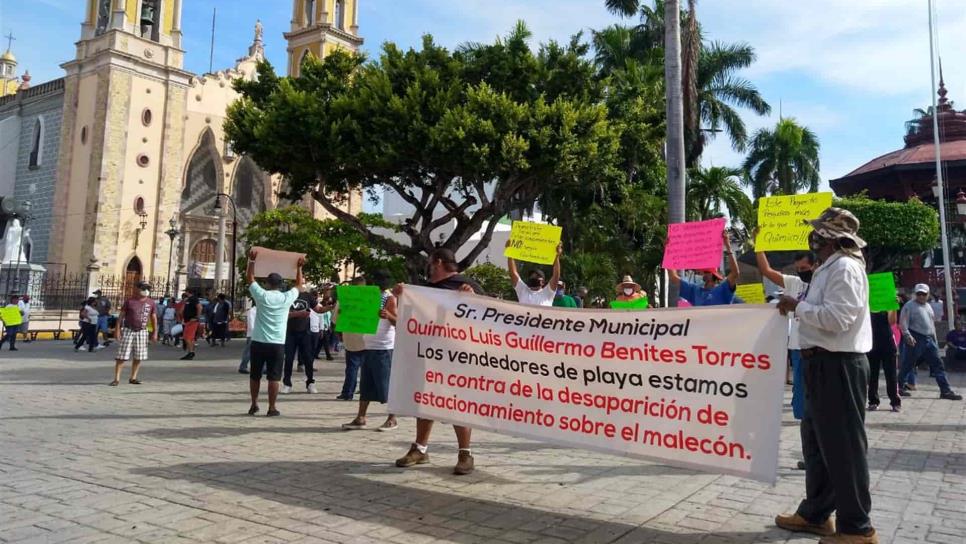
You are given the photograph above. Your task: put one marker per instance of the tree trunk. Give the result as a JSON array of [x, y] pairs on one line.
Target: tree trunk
[[675, 120]]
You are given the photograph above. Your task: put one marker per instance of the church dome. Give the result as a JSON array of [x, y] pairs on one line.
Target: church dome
[[8, 57]]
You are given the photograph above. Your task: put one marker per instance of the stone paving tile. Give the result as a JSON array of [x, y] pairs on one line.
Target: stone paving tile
[[176, 460]]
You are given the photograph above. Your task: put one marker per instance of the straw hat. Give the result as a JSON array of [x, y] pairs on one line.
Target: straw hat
[[628, 281]]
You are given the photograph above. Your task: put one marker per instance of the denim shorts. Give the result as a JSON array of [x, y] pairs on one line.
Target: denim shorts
[[374, 382]]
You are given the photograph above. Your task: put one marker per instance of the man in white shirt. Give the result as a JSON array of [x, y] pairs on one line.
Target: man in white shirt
[[535, 292], [917, 321], [24, 305], [835, 333]]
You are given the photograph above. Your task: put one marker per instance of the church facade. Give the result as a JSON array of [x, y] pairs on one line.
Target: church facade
[[128, 143]]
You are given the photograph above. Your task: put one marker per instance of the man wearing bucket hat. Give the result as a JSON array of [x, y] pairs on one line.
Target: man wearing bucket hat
[[917, 323], [835, 333], [713, 291]]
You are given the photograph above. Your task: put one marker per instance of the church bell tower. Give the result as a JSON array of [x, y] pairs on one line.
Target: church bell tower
[[124, 109], [320, 26]]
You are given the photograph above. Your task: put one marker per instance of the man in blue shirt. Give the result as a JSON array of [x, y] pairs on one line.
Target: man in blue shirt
[[268, 334], [716, 290]]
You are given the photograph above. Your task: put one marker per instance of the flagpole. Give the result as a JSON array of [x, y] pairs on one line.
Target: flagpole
[[944, 235]]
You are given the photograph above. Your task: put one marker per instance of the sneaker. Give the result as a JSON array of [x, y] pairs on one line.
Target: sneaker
[[896, 408], [273, 413], [873, 407], [903, 392], [798, 524], [243, 371], [354, 425], [950, 395], [464, 463], [413, 457], [188, 356], [800, 465], [99, 348], [910, 386], [388, 426], [842, 538], [311, 388], [286, 389], [340, 397]]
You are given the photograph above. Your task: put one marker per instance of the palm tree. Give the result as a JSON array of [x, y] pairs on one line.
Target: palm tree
[[710, 189], [720, 91], [783, 161]]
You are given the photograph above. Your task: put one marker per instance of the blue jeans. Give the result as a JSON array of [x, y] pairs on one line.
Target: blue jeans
[[798, 384], [353, 360], [246, 355], [926, 348]]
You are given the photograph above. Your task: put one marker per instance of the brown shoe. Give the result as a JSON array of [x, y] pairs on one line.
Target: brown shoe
[[413, 457], [842, 538], [464, 463], [798, 524]]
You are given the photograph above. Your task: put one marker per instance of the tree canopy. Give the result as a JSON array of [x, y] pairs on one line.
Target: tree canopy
[[783, 160], [463, 137], [895, 231]]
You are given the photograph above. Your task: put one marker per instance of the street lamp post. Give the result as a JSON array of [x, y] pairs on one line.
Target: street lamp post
[[24, 214], [172, 233], [234, 237]]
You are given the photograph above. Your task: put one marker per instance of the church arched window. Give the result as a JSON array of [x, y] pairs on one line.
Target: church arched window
[[340, 14], [36, 144]]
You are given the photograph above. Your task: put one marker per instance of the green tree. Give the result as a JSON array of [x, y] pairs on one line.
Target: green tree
[[494, 280], [463, 138], [895, 231], [783, 161], [710, 189], [329, 245]]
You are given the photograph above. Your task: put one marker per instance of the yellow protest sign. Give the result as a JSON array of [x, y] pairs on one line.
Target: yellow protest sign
[[533, 242], [10, 315], [751, 293], [781, 220]]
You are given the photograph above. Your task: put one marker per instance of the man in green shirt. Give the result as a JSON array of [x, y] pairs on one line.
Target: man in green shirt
[[562, 299]]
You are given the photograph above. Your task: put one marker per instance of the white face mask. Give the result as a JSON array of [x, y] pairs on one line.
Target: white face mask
[[145, 292], [628, 291]]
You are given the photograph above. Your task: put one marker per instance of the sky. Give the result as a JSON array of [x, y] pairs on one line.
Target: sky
[[851, 71]]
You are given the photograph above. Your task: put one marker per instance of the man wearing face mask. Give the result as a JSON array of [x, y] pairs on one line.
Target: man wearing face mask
[[562, 299], [835, 333], [795, 287], [535, 292], [137, 315], [714, 291]]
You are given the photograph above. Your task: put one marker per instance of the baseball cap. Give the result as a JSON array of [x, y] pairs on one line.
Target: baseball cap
[[922, 288]]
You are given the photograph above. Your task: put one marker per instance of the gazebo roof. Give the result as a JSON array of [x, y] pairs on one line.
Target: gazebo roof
[[919, 152]]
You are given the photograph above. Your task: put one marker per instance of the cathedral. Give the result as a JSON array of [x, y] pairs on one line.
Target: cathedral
[[124, 159]]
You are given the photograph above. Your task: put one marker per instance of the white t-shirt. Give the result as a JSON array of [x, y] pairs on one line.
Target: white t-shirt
[[525, 295], [91, 314], [795, 288], [250, 321], [385, 337], [25, 308], [315, 321]]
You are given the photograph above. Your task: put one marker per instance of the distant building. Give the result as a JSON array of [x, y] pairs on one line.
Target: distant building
[[128, 139]]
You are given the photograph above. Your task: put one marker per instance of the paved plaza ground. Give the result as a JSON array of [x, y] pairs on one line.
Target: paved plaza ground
[[177, 460]]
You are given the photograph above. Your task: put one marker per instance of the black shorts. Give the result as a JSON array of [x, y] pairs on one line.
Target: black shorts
[[269, 356]]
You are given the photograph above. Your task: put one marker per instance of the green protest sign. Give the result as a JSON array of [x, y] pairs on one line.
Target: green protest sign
[[882, 292], [636, 304], [359, 307]]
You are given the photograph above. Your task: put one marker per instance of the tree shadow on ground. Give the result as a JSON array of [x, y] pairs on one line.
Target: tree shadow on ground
[[343, 492]]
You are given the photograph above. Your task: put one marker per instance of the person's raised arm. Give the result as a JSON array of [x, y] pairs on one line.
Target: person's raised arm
[[556, 269], [732, 261], [250, 272], [299, 278], [389, 312], [511, 265], [767, 271]]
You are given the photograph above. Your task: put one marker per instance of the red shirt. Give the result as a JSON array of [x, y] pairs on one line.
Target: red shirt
[[136, 313]]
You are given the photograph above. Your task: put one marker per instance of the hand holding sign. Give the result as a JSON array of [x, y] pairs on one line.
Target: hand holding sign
[[781, 220], [694, 245], [533, 242]]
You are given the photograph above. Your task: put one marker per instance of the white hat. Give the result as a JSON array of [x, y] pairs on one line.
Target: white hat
[[921, 288]]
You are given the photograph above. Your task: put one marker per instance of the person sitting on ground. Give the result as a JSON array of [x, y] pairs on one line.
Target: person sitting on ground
[[956, 340], [377, 361], [268, 334], [713, 291], [535, 291]]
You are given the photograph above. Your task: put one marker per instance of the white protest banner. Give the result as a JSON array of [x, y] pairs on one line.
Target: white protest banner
[[679, 386]]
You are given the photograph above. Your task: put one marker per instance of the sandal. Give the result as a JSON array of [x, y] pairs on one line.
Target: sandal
[[133, 381], [114, 383], [273, 413]]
